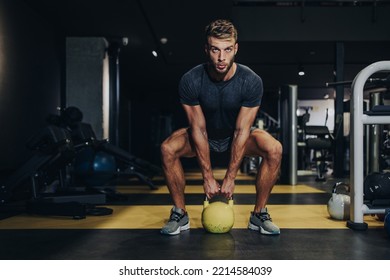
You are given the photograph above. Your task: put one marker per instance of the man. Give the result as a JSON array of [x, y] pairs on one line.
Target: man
[[221, 99]]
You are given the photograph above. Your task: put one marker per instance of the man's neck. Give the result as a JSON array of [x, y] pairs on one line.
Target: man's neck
[[223, 77]]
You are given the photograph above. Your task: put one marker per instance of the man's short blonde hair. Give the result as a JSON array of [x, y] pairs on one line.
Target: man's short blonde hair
[[221, 29]]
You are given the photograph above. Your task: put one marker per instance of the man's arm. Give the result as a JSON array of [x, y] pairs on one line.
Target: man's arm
[[244, 122], [199, 136]]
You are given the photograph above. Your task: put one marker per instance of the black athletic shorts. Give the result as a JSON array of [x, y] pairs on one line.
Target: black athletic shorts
[[222, 145]]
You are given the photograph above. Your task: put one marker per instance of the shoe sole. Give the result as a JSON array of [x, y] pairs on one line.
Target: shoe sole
[[179, 229], [262, 230]]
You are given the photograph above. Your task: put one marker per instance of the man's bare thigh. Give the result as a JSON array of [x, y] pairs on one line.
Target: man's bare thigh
[[180, 143], [259, 142]]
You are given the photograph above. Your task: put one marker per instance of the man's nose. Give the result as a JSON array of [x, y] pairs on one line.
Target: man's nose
[[222, 56]]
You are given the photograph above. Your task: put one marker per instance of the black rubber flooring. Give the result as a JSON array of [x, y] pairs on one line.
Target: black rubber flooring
[[239, 244], [303, 244]]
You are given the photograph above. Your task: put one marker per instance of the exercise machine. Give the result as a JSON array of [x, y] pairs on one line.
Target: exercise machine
[[319, 140], [360, 118], [83, 136], [51, 175], [53, 151]]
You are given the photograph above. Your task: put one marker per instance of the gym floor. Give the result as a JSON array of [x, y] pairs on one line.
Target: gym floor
[[132, 231]]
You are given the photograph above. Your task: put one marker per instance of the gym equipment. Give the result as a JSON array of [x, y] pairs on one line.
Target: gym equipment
[[339, 203], [64, 151], [373, 137], [218, 216], [250, 165], [319, 139], [377, 186], [52, 147], [321, 145], [288, 134], [46, 173], [358, 119], [387, 223], [127, 165], [385, 150], [94, 168]]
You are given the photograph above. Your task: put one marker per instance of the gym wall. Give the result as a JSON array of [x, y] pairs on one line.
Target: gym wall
[[84, 78], [30, 78]]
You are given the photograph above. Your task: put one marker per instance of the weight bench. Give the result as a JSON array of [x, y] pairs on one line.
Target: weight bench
[[83, 135], [320, 141], [129, 166], [53, 151]]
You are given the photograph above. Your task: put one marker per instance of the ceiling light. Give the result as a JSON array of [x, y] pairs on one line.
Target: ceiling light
[[164, 40], [154, 53], [301, 71]]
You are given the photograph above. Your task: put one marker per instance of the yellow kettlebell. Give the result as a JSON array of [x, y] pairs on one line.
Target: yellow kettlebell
[[218, 216]]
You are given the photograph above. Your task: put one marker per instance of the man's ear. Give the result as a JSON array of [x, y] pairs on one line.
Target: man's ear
[[235, 48]]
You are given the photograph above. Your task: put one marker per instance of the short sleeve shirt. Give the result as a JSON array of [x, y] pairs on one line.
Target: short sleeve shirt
[[221, 101]]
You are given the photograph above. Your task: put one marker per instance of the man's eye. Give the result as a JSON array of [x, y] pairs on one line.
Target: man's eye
[[214, 50], [228, 49]]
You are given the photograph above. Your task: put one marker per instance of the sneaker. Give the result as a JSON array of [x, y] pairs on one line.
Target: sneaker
[[262, 222], [178, 221]]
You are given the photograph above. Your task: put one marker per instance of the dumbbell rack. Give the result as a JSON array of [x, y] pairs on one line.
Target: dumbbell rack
[[358, 119]]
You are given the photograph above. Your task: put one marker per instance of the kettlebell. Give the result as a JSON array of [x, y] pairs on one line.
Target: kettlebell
[[339, 203], [218, 216]]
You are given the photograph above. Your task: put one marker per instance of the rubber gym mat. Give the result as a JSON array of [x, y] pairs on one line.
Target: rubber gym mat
[[196, 244], [244, 194], [240, 189], [197, 199], [153, 217]]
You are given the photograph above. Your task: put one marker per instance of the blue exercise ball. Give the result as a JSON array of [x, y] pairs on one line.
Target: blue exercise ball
[[387, 223], [94, 168]]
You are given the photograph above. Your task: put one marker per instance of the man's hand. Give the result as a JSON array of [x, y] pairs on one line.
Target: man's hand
[[227, 188], [211, 188]]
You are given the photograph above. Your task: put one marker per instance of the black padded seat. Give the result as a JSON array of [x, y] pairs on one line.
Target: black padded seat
[[318, 130], [318, 143]]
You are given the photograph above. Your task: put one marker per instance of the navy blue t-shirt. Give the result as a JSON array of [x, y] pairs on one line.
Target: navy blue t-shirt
[[221, 101]]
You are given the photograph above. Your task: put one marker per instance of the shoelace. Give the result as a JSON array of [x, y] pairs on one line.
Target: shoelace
[[175, 217], [264, 217]]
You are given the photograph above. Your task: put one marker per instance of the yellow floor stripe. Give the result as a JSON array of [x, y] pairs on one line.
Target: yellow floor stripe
[[219, 175], [153, 217], [198, 189]]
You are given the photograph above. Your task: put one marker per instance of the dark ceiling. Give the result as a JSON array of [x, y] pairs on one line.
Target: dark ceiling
[[275, 37]]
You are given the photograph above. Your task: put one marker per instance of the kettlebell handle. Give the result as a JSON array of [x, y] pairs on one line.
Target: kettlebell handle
[[206, 202], [338, 185]]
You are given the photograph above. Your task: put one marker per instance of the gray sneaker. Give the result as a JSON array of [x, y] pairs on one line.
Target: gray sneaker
[[262, 222], [178, 221]]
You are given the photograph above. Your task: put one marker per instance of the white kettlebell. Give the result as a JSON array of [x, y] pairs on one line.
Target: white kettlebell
[[339, 203]]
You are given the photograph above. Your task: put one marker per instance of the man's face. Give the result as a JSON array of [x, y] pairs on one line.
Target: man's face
[[221, 54]]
